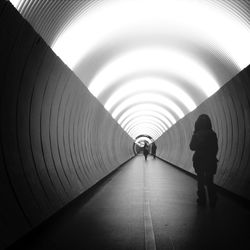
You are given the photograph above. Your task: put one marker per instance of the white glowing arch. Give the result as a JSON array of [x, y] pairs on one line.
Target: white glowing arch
[[145, 118], [146, 123], [196, 20], [154, 123], [154, 59], [138, 130], [146, 107], [150, 84], [144, 130], [143, 138], [145, 113], [148, 98], [176, 20]]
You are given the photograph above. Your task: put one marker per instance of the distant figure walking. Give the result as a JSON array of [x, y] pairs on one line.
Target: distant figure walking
[[153, 149], [205, 144], [145, 151]]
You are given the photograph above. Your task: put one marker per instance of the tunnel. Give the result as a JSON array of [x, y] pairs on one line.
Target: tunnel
[[84, 85]]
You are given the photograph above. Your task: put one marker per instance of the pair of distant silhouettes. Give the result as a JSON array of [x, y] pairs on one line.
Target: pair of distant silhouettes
[[146, 150], [204, 143]]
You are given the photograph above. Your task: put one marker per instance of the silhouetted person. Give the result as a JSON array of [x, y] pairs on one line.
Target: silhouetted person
[[145, 151], [205, 144], [153, 149]]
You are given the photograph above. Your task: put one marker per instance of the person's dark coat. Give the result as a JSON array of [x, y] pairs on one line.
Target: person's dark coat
[[153, 149], [205, 144], [145, 150]]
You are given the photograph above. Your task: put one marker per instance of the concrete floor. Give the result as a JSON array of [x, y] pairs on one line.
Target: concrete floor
[[145, 205]]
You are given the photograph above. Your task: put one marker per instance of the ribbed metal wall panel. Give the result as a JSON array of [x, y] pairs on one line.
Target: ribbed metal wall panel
[[56, 139], [229, 110], [50, 18], [241, 8]]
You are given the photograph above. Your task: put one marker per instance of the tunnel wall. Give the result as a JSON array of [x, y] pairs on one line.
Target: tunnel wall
[[229, 110], [56, 139]]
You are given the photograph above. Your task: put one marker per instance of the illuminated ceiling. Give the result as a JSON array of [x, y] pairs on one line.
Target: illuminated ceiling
[[149, 62]]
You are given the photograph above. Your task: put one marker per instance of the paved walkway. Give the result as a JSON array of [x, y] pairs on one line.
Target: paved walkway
[[145, 205]]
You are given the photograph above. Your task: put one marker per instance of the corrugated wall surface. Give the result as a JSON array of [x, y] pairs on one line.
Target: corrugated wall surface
[[57, 140], [51, 17], [229, 110]]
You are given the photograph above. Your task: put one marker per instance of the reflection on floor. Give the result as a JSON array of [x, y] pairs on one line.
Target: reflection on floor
[[145, 205]]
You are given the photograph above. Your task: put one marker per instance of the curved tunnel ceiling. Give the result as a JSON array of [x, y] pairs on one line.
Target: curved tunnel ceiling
[[149, 62]]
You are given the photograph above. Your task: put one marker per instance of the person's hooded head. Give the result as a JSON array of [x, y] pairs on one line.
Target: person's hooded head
[[203, 123]]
